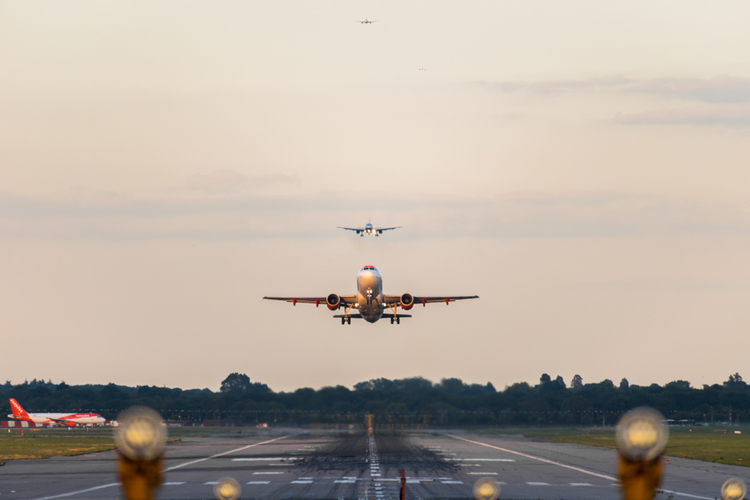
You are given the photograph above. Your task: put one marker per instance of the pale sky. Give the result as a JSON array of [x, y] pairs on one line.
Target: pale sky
[[583, 166]]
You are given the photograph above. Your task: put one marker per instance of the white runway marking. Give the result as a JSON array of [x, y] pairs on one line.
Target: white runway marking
[[301, 482], [72, 493], [211, 482], [266, 473], [257, 482], [172, 484], [533, 483], [596, 474], [221, 454], [303, 478], [345, 481], [452, 482], [603, 476], [482, 459], [262, 459], [482, 473], [580, 484], [686, 495]]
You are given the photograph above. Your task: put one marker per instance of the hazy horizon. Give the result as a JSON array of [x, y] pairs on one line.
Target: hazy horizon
[[582, 167]]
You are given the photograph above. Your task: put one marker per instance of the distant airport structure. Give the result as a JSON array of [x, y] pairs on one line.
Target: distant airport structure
[[370, 300]]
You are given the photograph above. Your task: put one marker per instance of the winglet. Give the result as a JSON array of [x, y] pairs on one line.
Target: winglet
[[18, 411]]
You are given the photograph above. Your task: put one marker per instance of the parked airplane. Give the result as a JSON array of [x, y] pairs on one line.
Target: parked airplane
[[69, 419], [370, 301], [369, 229], [366, 21]]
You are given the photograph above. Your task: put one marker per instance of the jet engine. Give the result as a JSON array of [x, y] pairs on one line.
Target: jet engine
[[407, 301], [333, 302]]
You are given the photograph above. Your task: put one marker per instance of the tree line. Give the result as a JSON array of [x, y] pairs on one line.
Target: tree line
[[410, 400]]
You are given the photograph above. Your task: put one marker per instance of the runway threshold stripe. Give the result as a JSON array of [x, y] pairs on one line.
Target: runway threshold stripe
[[72, 493], [596, 474]]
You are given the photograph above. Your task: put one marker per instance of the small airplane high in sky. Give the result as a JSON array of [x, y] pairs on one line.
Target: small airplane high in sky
[[366, 21], [69, 419], [370, 300], [369, 229]]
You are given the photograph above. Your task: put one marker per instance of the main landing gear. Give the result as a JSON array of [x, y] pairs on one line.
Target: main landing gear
[[347, 321], [396, 319]]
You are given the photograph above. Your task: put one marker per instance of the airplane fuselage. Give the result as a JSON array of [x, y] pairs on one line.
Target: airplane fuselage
[[62, 418], [370, 294]]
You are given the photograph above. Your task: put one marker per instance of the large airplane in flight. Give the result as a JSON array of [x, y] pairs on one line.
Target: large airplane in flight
[[370, 300], [369, 229], [69, 419]]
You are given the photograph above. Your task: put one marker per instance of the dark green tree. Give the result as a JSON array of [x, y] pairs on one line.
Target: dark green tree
[[236, 383]]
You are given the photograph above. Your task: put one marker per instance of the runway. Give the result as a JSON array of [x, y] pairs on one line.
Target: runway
[[290, 464]]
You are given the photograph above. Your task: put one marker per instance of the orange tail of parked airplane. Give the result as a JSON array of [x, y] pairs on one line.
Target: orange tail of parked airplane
[[18, 412]]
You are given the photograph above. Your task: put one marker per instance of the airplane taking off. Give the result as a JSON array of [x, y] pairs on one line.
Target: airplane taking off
[[369, 229], [370, 301], [366, 21], [69, 419]]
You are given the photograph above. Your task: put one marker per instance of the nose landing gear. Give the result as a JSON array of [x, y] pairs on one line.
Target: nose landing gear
[[396, 319], [347, 321]]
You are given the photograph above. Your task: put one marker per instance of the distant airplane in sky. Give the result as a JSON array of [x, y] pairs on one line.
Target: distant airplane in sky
[[69, 419], [370, 301], [369, 229], [422, 69], [366, 21]]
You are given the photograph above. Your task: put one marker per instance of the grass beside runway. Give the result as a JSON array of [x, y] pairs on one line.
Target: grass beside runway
[[61, 442], [40, 443], [711, 444]]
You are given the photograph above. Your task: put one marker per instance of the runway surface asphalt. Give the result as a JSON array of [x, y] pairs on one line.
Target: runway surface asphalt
[[290, 464]]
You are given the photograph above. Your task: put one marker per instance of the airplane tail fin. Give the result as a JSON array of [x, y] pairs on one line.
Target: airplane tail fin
[[18, 411]]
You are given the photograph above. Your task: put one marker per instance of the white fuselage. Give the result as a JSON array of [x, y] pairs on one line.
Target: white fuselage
[[370, 294], [56, 418]]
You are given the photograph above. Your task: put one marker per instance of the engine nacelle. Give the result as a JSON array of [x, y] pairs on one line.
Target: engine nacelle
[[407, 301], [333, 302]]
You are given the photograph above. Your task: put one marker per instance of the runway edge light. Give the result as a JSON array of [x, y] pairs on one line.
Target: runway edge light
[[227, 489], [733, 489], [486, 488], [641, 438], [140, 440]]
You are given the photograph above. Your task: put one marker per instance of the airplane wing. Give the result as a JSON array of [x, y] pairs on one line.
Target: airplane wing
[[345, 300], [357, 229], [419, 299], [381, 229]]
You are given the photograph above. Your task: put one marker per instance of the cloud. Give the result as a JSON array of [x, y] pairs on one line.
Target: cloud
[[725, 89], [514, 215], [226, 181], [555, 86], [711, 90], [733, 115]]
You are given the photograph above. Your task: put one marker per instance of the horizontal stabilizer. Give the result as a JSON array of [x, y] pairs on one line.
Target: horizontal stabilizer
[[389, 315]]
